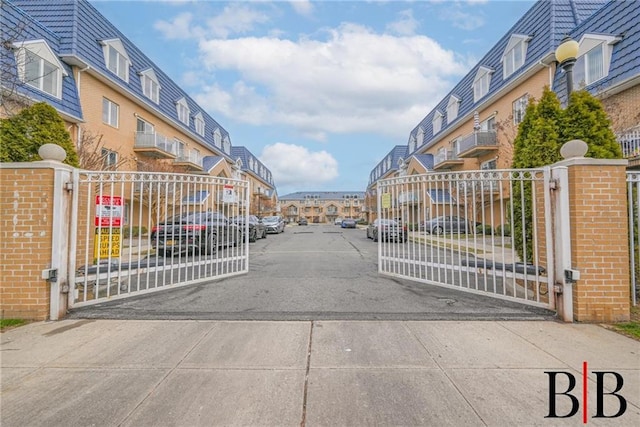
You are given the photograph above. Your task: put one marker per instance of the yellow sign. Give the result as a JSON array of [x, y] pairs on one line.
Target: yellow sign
[[106, 243], [386, 200]]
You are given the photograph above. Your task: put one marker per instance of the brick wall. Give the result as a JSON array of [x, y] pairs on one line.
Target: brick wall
[[599, 242], [26, 214]]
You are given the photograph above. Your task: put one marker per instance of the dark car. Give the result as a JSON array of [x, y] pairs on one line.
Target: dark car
[[348, 223], [201, 232], [447, 224], [386, 229], [257, 230], [303, 221], [274, 224]]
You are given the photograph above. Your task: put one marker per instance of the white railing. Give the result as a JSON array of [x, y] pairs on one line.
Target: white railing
[[477, 139], [483, 232], [444, 155], [630, 143], [155, 140], [138, 232]]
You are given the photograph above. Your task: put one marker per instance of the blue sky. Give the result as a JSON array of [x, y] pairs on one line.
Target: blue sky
[[320, 91]]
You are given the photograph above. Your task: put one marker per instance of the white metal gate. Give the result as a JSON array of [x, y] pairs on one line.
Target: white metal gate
[[487, 232], [137, 232], [633, 186]]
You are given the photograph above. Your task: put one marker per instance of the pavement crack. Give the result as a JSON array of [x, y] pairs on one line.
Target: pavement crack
[[306, 379]]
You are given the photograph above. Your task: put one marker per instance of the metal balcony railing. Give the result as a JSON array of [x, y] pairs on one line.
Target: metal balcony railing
[[630, 143], [155, 140], [190, 157], [479, 138], [444, 155]]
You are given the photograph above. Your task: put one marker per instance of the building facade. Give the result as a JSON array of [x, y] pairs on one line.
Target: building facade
[[113, 98], [473, 127], [322, 206]]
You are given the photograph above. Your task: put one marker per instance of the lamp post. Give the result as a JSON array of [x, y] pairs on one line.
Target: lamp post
[[566, 54]]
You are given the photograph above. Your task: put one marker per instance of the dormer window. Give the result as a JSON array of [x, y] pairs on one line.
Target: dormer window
[[150, 85], [420, 137], [226, 144], [412, 144], [452, 108], [217, 138], [481, 83], [199, 124], [514, 54], [116, 58], [183, 111], [437, 122], [594, 59], [39, 67]]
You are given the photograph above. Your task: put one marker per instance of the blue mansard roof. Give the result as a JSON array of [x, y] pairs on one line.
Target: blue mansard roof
[[323, 195], [252, 165], [17, 26], [544, 25], [389, 163], [618, 21], [80, 30]]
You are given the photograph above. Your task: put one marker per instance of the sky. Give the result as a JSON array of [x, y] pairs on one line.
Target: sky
[[319, 91]]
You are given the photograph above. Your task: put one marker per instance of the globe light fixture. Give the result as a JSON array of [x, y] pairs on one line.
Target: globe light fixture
[[566, 54]]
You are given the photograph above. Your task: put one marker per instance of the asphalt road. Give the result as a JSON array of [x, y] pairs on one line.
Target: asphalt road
[[317, 272]]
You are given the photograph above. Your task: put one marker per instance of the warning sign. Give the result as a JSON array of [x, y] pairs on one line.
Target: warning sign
[[386, 200], [107, 243], [228, 195], [108, 211]]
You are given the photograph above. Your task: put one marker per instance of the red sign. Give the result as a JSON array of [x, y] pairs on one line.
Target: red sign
[[108, 211]]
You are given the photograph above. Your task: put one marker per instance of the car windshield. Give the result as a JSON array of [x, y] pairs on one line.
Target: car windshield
[[270, 219], [197, 217]]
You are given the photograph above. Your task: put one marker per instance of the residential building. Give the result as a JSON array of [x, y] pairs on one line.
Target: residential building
[[109, 92], [262, 190], [473, 127], [322, 206]]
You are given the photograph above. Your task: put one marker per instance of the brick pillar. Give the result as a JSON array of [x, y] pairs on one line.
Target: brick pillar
[[598, 215], [31, 224]]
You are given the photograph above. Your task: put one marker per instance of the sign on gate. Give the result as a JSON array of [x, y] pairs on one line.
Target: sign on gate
[[386, 201], [228, 195], [106, 243], [108, 211]]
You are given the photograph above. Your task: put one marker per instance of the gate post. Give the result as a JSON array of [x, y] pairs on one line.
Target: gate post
[[595, 208]]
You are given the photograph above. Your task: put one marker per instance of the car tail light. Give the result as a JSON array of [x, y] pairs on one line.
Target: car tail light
[[198, 227], [155, 228]]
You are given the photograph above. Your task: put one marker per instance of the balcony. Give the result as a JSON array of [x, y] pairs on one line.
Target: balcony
[[189, 160], [446, 159], [630, 144], [478, 143], [155, 145]]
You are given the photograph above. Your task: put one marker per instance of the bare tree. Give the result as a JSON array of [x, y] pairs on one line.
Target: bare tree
[[93, 155]]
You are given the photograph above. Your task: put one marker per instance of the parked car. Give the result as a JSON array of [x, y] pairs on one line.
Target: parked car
[[337, 221], [348, 223], [274, 224], [303, 221], [447, 224], [202, 232], [386, 229], [257, 230]]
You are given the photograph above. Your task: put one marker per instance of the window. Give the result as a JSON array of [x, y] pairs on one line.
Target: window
[[452, 108], [217, 138], [144, 127], [110, 112], [116, 58], [39, 67], [489, 124], [519, 109], [437, 122], [180, 149], [150, 85], [420, 137], [514, 54], [226, 144], [199, 123], [481, 83], [594, 58], [490, 165], [183, 111], [110, 159], [455, 147]]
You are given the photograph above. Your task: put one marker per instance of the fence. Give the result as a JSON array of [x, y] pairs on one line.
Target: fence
[[485, 232], [135, 232]]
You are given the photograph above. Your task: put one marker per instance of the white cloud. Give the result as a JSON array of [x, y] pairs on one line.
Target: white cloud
[[461, 19], [353, 80], [180, 28], [297, 166], [302, 7], [406, 24]]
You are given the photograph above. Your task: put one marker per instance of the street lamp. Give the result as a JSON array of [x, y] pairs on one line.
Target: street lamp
[[566, 54]]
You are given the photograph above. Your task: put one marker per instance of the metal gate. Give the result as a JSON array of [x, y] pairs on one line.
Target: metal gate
[[633, 191], [488, 232], [138, 232]]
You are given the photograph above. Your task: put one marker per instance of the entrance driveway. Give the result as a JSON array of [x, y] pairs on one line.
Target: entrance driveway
[[315, 272]]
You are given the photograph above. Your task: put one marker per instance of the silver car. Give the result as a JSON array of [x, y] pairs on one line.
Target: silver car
[[273, 224], [448, 224]]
